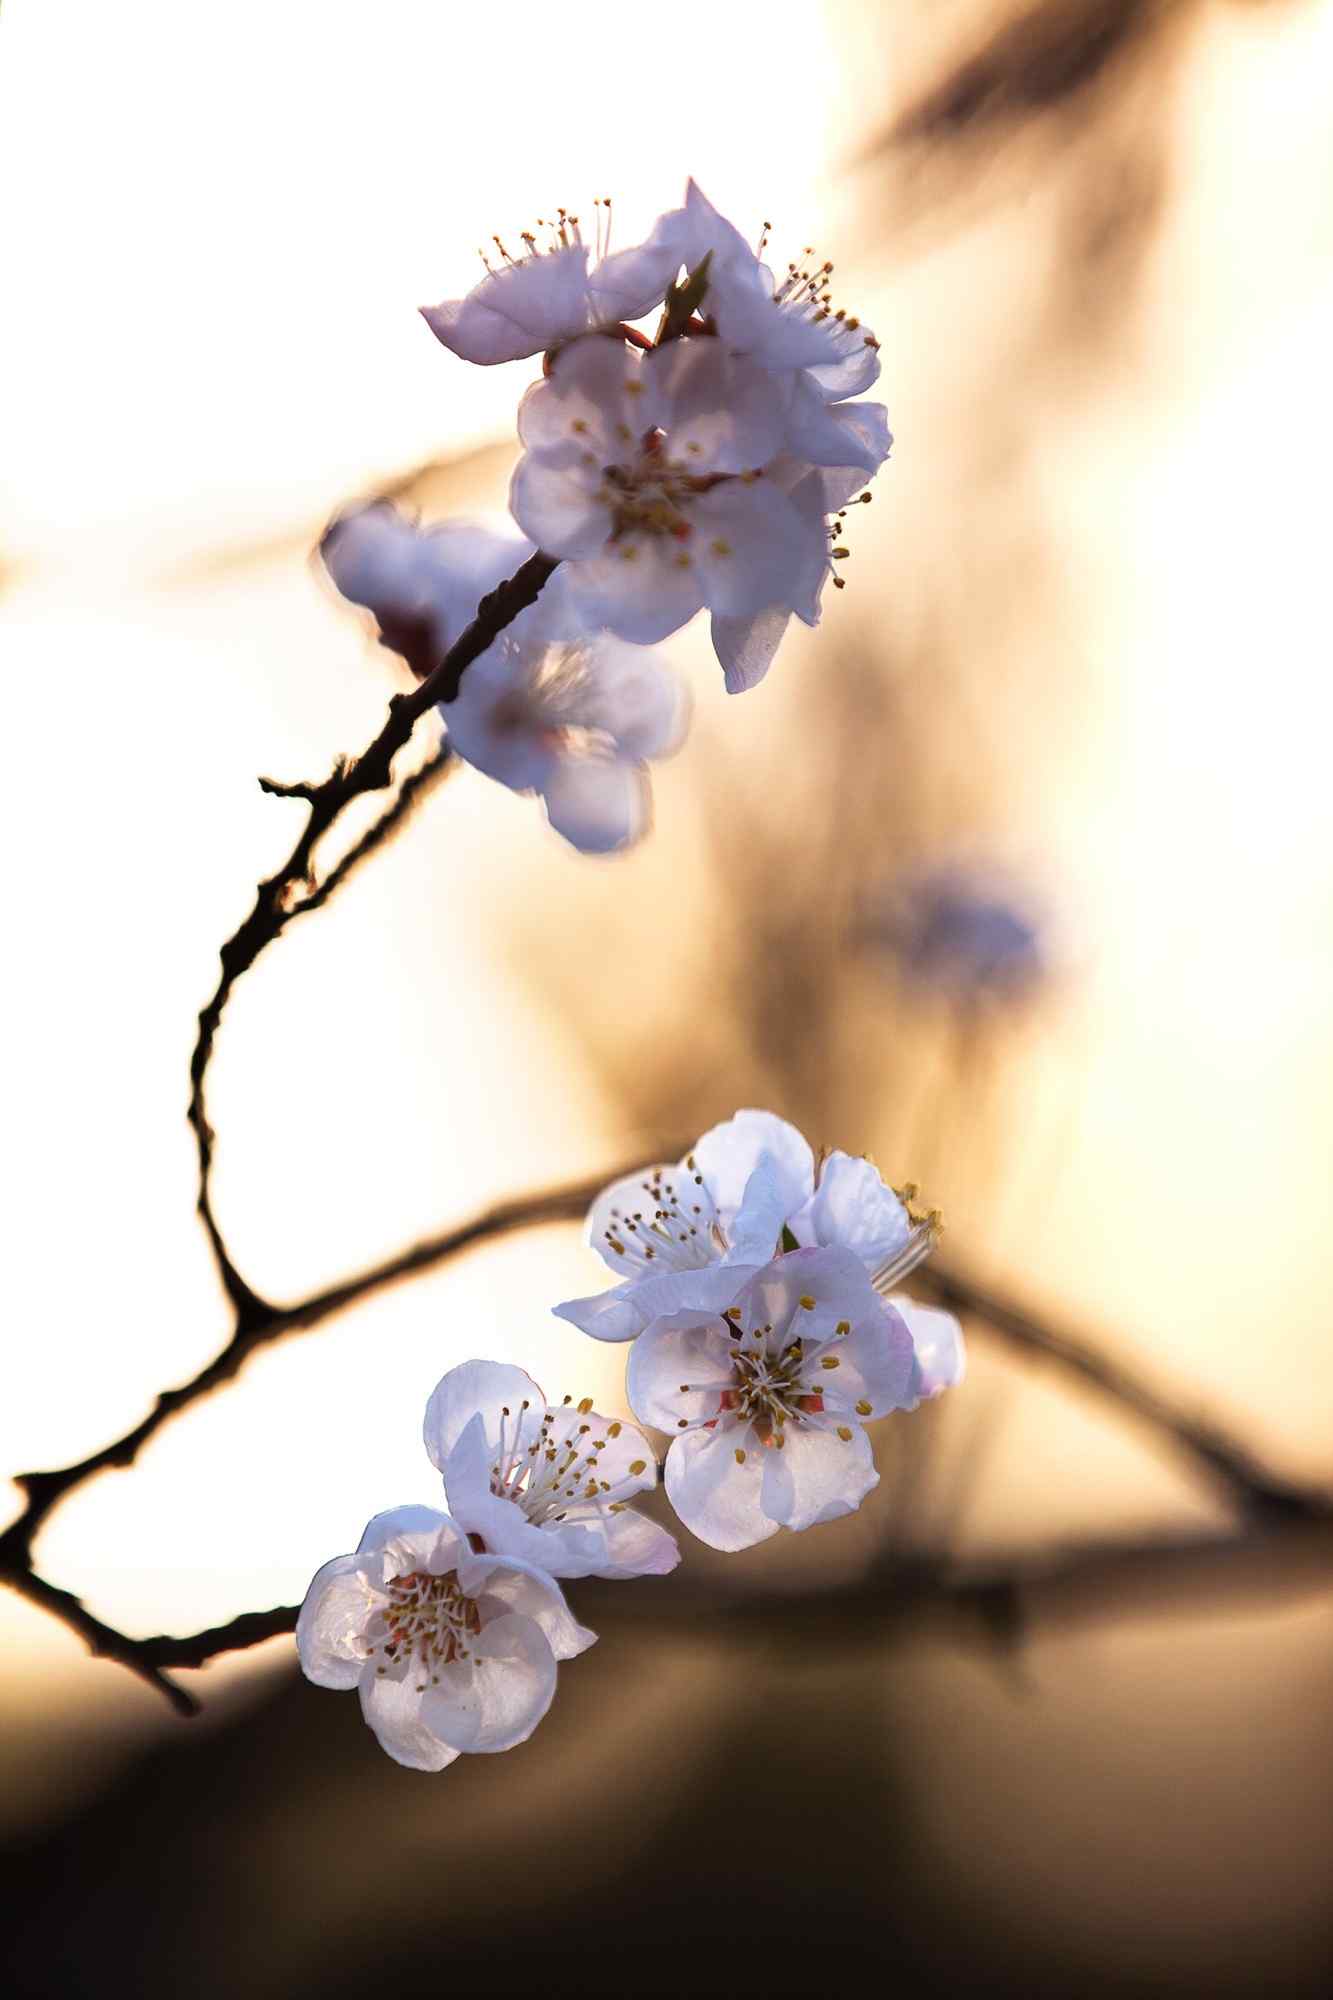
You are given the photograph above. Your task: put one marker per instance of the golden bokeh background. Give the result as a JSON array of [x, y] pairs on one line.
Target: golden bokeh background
[[1085, 643]]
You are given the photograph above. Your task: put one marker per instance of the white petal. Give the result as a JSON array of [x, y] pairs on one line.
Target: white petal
[[721, 414], [702, 228], [495, 723], [485, 1388], [839, 434], [497, 1698], [709, 1289], [817, 1475], [636, 698], [422, 1524], [641, 587], [678, 1369], [630, 283], [717, 1498], [333, 1618], [937, 1338], [517, 310], [609, 1315], [372, 554], [728, 1154], [751, 547], [636, 1546], [393, 1708], [552, 501], [528, 1589], [598, 804], [852, 1209], [811, 574], [855, 369], [745, 646], [596, 397]]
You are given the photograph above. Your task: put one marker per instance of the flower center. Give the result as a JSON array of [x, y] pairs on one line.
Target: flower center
[[428, 1619], [652, 495], [769, 1393]]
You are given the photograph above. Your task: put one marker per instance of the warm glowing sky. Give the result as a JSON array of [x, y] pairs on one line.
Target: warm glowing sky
[[221, 240]]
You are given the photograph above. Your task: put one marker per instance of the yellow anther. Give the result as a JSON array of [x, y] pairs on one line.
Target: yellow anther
[[585, 1406], [740, 1456], [829, 1361], [863, 1408], [844, 1433], [639, 1465], [843, 1326], [808, 1302]]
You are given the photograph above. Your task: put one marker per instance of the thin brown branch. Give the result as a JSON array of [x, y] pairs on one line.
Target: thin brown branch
[[1001, 1600], [278, 899], [1248, 1482]]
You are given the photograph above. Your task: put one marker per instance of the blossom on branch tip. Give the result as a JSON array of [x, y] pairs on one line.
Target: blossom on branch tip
[[550, 1483], [550, 708], [749, 1188], [450, 1650], [766, 1396]]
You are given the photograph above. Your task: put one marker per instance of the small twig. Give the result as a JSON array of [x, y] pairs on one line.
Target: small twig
[[410, 793]]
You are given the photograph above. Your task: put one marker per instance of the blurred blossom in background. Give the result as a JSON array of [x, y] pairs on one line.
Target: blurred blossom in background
[[1015, 874]]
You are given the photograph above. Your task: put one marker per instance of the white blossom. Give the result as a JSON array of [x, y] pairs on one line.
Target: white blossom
[[646, 472], [748, 1188], [550, 709], [549, 1483], [767, 1395], [450, 1650], [534, 301]]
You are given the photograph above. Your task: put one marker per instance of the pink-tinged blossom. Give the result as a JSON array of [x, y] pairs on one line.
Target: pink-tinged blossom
[[570, 715], [450, 1650], [543, 296], [766, 1396], [648, 474], [749, 1188], [550, 1483]]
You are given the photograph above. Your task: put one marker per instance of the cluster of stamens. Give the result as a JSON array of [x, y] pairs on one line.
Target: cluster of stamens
[[428, 1619], [652, 495], [838, 551], [806, 291], [683, 1233], [558, 232], [550, 1477]]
